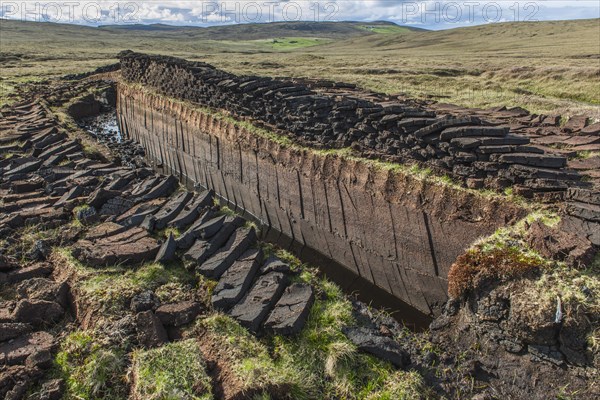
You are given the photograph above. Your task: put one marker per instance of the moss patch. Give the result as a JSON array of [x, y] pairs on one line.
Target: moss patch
[[475, 267], [502, 256]]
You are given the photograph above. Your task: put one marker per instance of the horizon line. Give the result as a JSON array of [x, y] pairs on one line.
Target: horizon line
[[229, 24]]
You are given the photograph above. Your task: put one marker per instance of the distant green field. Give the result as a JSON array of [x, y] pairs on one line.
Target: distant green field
[[546, 67], [295, 43], [385, 30]]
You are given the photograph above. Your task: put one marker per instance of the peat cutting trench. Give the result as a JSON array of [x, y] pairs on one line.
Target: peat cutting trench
[[105, 128], [147, 207], [397, 232]]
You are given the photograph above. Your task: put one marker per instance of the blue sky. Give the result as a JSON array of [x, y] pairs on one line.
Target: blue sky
[[439, 14]]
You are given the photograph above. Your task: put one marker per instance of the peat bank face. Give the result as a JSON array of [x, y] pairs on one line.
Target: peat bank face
[[394, 230]]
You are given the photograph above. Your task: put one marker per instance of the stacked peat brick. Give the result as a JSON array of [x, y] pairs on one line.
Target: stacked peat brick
[[477, 151]]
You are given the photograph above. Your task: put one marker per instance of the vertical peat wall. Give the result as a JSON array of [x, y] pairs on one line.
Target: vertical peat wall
[[396, 231]]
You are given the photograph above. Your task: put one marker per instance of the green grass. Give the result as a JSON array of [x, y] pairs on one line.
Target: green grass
[[477, 66], [174, 371], [9, 85], [292, 43], [584, 155], [92, 152], [80, 208], [9, 155], [169, 231], [400, 385], [577, 289], [95, 369], [331, 363], [91, 370], [228, 212], [385, 30], [320, 362], [514, 235], [252, 225], [249, 358], [503, 256], [175, 292]]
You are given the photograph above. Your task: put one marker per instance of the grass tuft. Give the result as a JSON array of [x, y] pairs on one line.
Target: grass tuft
[[92, 152], [174, 371], [585, 155], [91, 370], [168, 231], [227, 211], [320, 362], [401, 385]]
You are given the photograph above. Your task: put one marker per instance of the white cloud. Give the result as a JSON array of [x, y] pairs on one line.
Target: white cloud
[[434, 14]]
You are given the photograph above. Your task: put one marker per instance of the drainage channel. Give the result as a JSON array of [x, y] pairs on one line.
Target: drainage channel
[[105, 129]]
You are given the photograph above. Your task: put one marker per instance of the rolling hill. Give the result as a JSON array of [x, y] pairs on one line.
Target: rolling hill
[[545, 38], [329, 30], [549, 67]]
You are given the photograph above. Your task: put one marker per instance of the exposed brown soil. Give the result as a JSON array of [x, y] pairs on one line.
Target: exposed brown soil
[[514, 347], [559, 245], [226, 384]]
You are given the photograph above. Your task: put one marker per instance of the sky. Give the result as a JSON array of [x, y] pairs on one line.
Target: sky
[[429, 14]]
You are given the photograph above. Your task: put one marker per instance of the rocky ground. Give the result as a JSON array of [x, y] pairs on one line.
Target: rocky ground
[[117, 282]]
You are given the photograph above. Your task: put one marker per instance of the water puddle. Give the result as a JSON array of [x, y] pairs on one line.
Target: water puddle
[[104, 127]]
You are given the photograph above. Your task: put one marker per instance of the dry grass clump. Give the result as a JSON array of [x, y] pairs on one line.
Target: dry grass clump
[[476, 267]]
